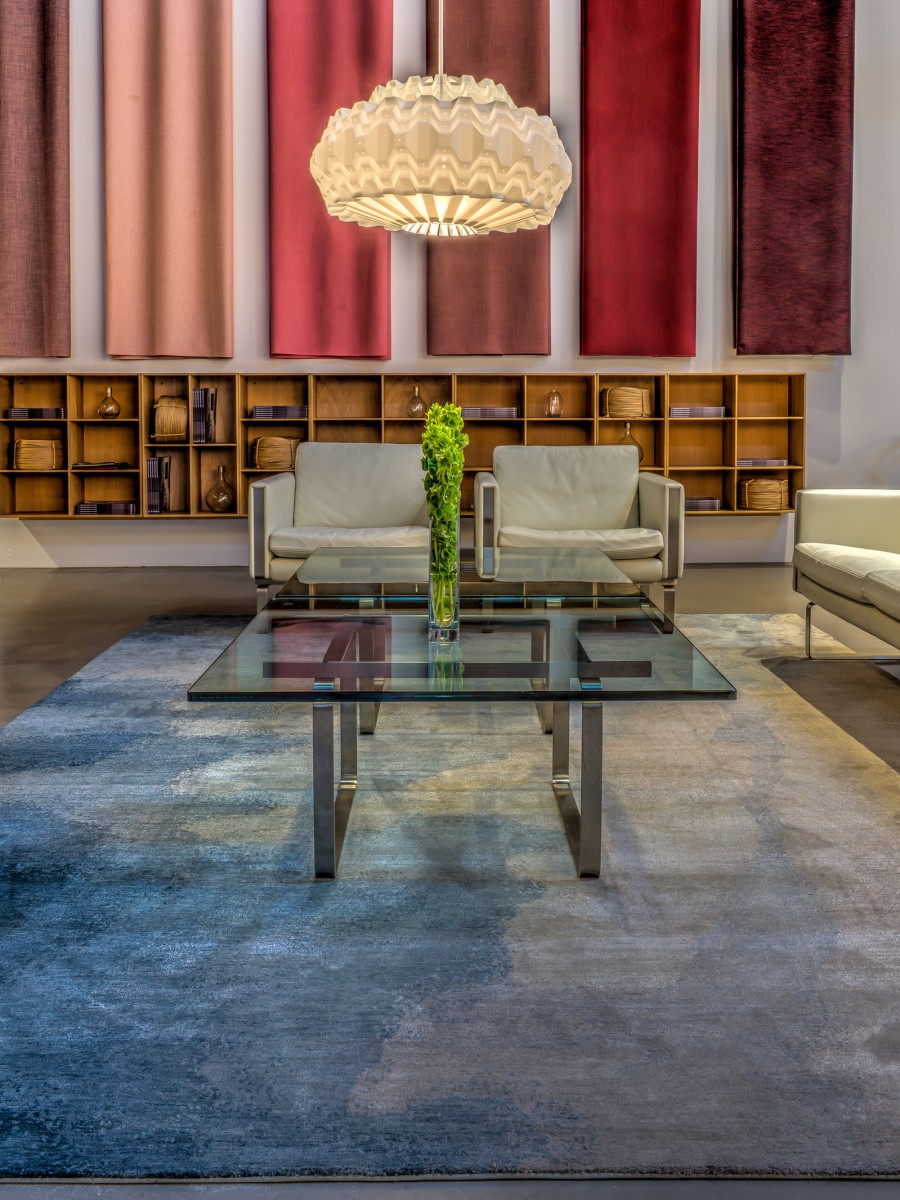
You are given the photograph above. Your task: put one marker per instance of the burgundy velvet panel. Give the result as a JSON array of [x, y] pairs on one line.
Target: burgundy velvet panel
[[330, 281], [491, 294], [640, 114], [793, 175], [167, 130], [35, 310]]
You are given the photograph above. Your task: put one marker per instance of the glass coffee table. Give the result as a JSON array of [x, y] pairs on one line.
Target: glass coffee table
[[558, 628]]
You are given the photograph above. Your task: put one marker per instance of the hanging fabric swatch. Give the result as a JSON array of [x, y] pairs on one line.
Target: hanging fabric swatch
[[35, 313], [330, 281], [167, 125], [491, 294], [793, 175], [640, 114]]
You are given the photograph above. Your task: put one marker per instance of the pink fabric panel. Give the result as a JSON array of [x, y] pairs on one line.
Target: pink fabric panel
[[330, 281], [35, 318], [491, 294], [167, 120]]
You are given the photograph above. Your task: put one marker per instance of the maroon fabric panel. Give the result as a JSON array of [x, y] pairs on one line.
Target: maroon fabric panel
[[35, 318], [793, 175], [640, 113], [329, 281], [491, 294]]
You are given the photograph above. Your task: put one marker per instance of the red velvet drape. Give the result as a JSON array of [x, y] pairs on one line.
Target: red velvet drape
[[793, 175], [35, 312], [640, 112], [329, 280], [491, 294]]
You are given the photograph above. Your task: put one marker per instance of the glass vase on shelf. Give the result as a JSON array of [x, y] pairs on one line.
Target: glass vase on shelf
[[628, 440], [108, 407], [554, 405], [416, 407], [221, 496]]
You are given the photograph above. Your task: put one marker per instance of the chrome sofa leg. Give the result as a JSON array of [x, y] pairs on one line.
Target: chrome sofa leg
[[808, 639], [669, 606]]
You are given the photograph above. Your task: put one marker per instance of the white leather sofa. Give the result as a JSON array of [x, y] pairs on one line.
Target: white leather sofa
[[339, 494], [847, 558], [582, 497]]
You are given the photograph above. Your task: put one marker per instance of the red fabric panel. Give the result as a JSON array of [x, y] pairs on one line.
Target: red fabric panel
[[793, 175], [35, 318], [330, 281], [640, 113], [491, 294]]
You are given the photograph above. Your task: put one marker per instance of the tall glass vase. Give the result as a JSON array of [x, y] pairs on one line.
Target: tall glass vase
[[443, 580]]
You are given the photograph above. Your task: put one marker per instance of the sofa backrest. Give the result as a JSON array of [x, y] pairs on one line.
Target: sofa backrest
[[567, 487], [359, 485]]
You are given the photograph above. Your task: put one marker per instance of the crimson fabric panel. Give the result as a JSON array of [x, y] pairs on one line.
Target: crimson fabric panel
[[167, 126], [793, 175], [491, 294], [35, 310], [330, 281], [640, 113]]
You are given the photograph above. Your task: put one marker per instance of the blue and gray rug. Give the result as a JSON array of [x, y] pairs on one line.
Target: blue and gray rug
[[178, 997]]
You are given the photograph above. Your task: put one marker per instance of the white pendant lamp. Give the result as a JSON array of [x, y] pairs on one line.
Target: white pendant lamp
[[441, 155]]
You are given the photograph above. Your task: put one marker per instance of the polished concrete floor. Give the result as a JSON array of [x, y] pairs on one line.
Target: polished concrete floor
[[54, 621]]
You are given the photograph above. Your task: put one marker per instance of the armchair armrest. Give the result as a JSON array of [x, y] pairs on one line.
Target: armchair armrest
[[487, 521], [271, 507], [661, 506], [869, 519]]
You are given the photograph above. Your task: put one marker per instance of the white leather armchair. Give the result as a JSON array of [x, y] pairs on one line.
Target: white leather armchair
[[584, 497], [339, 494]]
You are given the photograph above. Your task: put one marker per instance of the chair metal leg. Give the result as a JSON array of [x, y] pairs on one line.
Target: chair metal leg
[[808, 630]]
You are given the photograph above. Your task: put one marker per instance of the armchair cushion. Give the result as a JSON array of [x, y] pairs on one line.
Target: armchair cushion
[[299, 541], [634, 542], [567, 487], [882, 588], [357, 485]]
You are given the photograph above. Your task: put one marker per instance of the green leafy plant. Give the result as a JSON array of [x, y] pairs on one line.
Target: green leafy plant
[[443, 443]]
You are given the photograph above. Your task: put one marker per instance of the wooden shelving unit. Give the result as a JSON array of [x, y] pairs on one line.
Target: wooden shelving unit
[[763, 418]]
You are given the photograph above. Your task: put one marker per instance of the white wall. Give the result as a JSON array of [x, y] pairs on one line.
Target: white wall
[[853, 410]]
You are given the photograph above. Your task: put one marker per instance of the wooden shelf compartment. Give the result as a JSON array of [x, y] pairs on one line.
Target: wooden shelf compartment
[[483, 438], [407, 432], [33, 391], [490, 391], [34, 493], [706, 390], [254, 430], [708, 484], [558, 431], [180, 475], [794, 476], [771, 396], [576, 392], [226, 406], [348, 431], [256, 390], [706, 441], [205, 463], [398, 392], [104, 441], [43, 431], [655, 385], [90, 486], [769, 439], [648, 432], [85, 393], [346, 398], [152, 389]]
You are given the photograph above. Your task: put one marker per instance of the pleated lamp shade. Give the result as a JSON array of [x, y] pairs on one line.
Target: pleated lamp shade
[[444, 156]]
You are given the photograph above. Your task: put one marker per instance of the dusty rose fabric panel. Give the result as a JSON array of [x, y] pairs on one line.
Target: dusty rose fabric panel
[[640, 117], [35, 311], [491, 294], [330, 281], [167, 123], [793, 175]]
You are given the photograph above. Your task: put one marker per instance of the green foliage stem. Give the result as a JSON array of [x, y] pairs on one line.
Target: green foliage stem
[[443, 443]]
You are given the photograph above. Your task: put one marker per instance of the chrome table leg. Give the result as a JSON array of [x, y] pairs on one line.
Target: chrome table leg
[[583, 829], [331, 809]]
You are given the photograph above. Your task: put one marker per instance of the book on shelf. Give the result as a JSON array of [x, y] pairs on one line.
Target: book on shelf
[[165, 487], [90, 508], [476, 411], [203, 403], [762, 462], [279, 412], [697, 410], [101, 466], [36, 414], [153, 485], [702, 504]]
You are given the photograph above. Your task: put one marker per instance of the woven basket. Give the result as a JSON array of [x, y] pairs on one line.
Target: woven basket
[[170, 419], [763, 494], [33, 455], [275, 453], [626, 403]]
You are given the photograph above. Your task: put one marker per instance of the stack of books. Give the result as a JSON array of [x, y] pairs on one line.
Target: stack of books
[[36, 414], [97, 508], [159, 483], [100, 466], [280, 412], [491, 411], [762, 462], [702, 504], [697, 410], [204, 411]]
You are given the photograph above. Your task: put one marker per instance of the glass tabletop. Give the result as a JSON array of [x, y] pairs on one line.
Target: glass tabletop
[[348, 650]]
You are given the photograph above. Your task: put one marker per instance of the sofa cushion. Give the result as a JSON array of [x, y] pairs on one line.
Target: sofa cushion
[[842, 569], [567, 487], [616, 543], [297, 541], [351, 485], [882, 588]]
